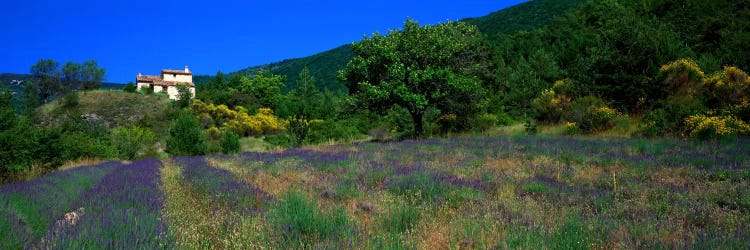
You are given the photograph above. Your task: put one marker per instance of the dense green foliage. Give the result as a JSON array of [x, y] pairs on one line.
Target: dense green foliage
[[185, 136], [53, 81], [609, 49], [420, 67], [526, 16]]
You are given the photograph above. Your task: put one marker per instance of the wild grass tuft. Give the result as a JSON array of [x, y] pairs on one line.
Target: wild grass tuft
[[299, 222]]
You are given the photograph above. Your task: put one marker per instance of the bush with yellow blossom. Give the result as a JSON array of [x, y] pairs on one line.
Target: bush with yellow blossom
[[716, 127], [239, 121]]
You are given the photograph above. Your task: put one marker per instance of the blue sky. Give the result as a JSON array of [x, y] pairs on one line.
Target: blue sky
[[128, 37]]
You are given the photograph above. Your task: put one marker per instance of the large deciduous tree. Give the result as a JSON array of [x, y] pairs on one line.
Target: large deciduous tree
[[442, 66], [92, 75], [46, 73]]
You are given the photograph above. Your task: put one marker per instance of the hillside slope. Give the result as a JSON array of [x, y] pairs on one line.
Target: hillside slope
[[526, 16], [114, 108]]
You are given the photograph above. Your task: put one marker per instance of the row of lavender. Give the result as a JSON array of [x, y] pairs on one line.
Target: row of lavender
[[28, 209], [122, 212], [110, 205], [221, 186]]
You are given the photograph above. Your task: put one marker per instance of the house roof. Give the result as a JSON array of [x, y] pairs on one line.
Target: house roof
[[145, 78], [175, 71], [156, 80]]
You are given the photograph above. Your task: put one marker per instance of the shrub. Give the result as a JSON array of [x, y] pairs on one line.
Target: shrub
[[487, 121], [73, 145], [571, 128], [184, 96], [230, 142], [17, 142], [547, 107], [185, 136], [70, 100], [552, 103], [682, 77], [716, 127], [447, 123], [299, 128], [280, 140], [324, 131], [130, 141], [531, 128], [670, 120], [239, 121], [130, 88], [591, 115], [728, 87], [654, 123]]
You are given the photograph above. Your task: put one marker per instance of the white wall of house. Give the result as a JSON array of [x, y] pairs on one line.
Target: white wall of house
[[158, 88], [142, 85], [178, 78]]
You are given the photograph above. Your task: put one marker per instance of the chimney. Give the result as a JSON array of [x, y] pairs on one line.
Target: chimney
[[187, 70]]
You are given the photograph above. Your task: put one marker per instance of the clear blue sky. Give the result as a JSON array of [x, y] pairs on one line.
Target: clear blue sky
[[127, 37]]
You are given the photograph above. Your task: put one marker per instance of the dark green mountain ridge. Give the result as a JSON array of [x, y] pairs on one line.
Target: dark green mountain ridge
[[324, 66]]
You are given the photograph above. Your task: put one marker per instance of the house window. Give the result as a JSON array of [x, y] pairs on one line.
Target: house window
[[174, 75]]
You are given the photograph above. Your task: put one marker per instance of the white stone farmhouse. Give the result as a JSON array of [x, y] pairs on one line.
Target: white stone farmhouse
[[167, 82]]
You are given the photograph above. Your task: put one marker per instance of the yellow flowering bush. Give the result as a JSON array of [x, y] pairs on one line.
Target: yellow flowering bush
[[239, 121], [548, 107], [728, 87], [590, 115], [715, 127], [572, 128], [301, 128], [682, 77]]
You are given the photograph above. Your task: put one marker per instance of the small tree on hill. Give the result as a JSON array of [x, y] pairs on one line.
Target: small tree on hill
[[184, 96], [185, 136], [130, 88]]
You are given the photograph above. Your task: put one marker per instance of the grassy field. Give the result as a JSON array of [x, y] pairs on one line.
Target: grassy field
[[467, 193]]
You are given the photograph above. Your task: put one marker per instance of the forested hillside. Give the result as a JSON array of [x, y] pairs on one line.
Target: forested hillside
[[614, 49], [526, 16], [324, 66]]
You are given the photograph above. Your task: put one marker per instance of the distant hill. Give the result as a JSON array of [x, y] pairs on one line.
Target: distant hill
[[324, 66]]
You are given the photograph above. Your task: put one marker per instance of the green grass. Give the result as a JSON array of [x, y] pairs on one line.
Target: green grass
[[301, 222]]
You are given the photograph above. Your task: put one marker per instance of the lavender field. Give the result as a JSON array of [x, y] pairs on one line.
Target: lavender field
[[467, 193]]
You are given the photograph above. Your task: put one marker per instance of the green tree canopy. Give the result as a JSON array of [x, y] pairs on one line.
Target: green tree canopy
[[305, 98], [46, 73], [264, 87], [53, 81], [440, 66]]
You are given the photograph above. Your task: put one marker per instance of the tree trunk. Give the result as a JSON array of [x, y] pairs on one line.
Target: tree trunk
[[418, 124]]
